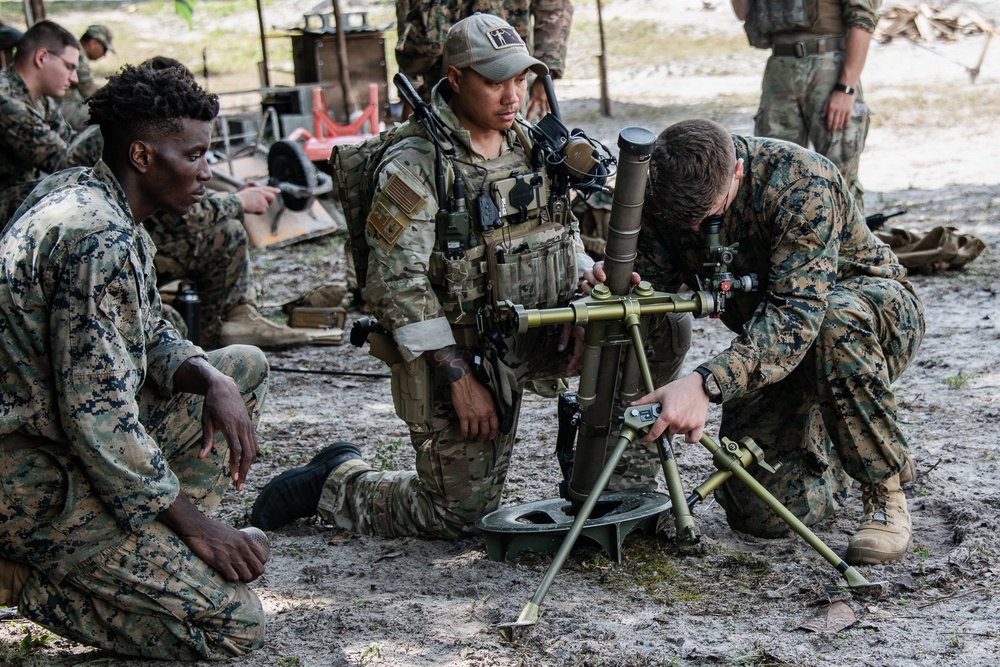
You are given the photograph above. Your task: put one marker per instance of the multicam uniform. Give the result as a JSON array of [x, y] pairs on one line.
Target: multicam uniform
[[95, 444], [73, 105], [210, 244], [804, 66], [423, 25], [818, 345], [34, 137], [429, 302]]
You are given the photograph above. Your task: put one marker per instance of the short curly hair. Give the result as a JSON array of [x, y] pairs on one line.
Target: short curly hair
[[692, 165], [138, 102]]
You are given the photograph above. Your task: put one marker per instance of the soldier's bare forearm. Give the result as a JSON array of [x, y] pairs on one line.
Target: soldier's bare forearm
[[449, 364]]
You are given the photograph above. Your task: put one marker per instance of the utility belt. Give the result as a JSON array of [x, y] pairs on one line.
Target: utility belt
[[414, 385], [810, 47]]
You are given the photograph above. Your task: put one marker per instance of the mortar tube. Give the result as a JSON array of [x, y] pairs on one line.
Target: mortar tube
[[636, 146]]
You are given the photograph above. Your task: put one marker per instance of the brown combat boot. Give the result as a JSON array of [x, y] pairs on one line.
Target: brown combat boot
[[244, 325], [12, 578], [885, 533]]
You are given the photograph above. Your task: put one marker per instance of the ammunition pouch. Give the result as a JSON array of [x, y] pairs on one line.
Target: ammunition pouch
[[413, 390], [535, 268], [460, 282], [768, 17]]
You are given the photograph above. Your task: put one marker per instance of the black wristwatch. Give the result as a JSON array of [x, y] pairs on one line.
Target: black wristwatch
[[843, 88], [709, 385]]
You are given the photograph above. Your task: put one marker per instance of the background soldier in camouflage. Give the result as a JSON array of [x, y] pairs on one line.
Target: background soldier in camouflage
[[812, 82], [209, 246], [34, 137], [819, 344], [462, 425], [423, 24], [94, 45], [118, 435]]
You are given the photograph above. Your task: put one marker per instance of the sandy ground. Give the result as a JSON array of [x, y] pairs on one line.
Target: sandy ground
[[334, 598]]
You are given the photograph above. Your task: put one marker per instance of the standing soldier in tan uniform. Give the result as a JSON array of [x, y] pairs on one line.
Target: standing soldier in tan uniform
[[812, 83], [94, 45], [460, 401], [542, 24], [117, 437]]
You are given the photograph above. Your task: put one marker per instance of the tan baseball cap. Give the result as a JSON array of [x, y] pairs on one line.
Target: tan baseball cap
[[102, 34], [491, 47]]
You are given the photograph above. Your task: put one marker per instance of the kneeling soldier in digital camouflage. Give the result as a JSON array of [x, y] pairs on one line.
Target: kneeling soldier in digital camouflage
[[426, 292], [832, 325], [118, 435]]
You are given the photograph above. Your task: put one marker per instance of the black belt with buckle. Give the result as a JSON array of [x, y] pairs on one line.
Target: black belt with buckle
[[814, 47]]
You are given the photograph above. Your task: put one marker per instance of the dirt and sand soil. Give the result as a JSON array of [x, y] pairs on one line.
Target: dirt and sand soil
[[334, 598]]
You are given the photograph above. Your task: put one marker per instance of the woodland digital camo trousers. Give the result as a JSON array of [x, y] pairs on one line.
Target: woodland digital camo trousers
[[834, 417], [456, 481], [216, 257], [146, 593], [793, 93]]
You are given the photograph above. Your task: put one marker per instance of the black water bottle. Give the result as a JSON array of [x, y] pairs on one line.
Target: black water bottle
[[188, 305]]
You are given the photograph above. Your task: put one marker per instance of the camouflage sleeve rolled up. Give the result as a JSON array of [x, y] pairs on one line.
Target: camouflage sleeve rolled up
[[89, 336], [551, 35], [200, 217], [861, 13], [401, 237]]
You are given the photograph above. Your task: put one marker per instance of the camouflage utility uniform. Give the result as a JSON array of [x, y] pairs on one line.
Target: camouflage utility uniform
[[210, 244], [428, 302], [819, 344], [34, 137], [95, 443], [73, 105], [543, 25], [805, 64]]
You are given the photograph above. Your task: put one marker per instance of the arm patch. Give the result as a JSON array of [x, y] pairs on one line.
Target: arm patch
[[392, 209]]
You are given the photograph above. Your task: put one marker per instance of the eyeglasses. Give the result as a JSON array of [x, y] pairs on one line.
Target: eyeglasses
[[70, 64]]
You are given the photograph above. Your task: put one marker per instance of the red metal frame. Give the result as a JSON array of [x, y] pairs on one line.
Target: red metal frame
[[327, 134]]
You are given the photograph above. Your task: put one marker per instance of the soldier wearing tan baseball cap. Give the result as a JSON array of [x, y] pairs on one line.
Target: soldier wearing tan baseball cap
[[489, 46], [102, 34]]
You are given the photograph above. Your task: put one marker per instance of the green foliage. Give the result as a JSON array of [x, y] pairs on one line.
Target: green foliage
[[959, 381], [24, 653], [386, 451], [373, 652]]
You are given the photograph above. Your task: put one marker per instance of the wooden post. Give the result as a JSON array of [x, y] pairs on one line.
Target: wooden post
[[265, 77], [345, 73], [34, 11], [602, 66]]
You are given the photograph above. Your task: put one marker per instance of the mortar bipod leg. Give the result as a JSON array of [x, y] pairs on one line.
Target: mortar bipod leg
[[639, 417], [728, 458], [686, 531]]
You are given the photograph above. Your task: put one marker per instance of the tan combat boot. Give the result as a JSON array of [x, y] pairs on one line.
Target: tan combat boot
[[12, 578], [885, 533], [909, 472], [244, 325]]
